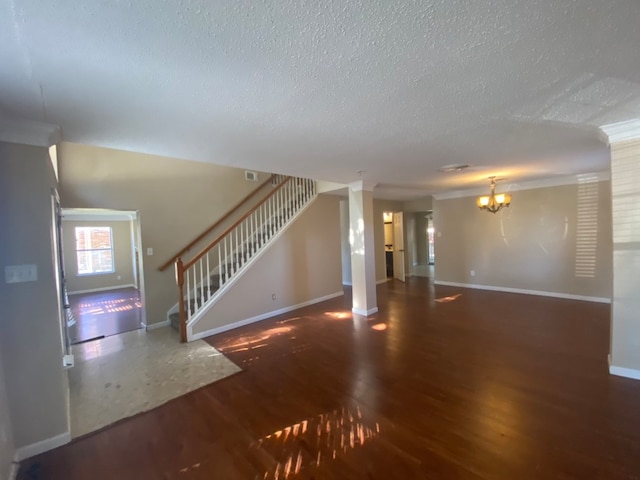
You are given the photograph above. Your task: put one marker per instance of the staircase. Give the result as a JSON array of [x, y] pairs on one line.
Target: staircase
[[205, 278]]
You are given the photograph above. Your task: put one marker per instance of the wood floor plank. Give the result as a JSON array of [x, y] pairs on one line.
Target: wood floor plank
[[442, 383]]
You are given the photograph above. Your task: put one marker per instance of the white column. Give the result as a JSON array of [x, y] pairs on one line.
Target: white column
[[624, 139], [363, 262], [345, 247]]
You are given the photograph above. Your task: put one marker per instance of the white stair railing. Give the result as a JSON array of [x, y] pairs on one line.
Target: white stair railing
[[203, 278]]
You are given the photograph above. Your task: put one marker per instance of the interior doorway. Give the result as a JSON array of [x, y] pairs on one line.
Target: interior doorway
[[394, 245], [419, 233], [104, 272]]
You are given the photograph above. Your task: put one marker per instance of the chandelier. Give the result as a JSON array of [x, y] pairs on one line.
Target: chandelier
[[495, 201]]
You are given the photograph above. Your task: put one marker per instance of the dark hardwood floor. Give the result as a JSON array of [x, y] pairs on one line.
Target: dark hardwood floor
[[443, 383], [101, 314]]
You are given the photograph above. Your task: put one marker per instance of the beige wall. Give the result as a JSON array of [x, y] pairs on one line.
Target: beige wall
[[30, 333], [122, 256], [6, 434], [302, 265], [422, 254], [424, 204], [525, 245], [176, 201]]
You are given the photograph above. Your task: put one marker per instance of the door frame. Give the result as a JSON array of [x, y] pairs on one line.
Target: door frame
[[133, 216], [399, 265]]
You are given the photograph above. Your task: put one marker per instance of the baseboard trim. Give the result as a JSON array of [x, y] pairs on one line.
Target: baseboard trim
[[42, 446], [13, 473], [622, 371], [263, 316], [102, 289], [155, 326], [541, 293], [378, 282], [365, 313]]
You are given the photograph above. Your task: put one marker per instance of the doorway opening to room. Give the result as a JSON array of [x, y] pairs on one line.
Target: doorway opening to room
[[423, 258], [394, 245], [104, 274]]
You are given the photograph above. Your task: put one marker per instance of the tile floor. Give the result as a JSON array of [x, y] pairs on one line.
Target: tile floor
[[122, 375]]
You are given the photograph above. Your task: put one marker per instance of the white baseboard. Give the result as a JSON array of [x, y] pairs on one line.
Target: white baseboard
[[541, 293], [42, 446], [378, 282], [155, 326], [365, 313], [13, 473], [102, 289], [257, 318], [622, 371]]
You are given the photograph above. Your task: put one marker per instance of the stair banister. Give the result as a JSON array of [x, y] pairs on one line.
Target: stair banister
[[236, 246], [204, 251], [188, 247]]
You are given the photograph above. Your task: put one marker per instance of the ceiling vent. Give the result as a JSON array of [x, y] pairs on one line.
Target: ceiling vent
[[454, 168], [251, 176]]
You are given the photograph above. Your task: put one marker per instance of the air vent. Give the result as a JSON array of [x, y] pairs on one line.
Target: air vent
[[251, 176], [454, 168]]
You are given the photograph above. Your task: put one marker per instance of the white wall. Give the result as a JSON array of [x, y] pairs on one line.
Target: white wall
[[625, 320]]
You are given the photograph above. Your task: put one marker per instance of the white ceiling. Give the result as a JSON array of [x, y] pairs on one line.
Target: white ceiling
[[516, 88]]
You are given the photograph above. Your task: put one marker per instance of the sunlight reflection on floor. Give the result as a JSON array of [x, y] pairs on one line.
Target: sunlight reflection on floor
[[448, 299], [316, 440]]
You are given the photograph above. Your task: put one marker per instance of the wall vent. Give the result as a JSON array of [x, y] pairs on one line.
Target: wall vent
[[251, 176]]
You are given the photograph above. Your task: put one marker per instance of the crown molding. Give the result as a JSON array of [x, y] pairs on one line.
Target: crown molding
[[506, 187], [28, 132], [96, 214], [622, 132]]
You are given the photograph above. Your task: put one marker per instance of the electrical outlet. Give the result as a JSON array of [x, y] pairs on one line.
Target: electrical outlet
[[273, 296], [472, 273], [149, 251]]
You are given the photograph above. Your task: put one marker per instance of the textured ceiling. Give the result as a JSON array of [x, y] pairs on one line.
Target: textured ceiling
[[325, 89]]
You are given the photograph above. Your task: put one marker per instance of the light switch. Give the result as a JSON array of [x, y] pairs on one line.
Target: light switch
[[149, 251], [20, 273]]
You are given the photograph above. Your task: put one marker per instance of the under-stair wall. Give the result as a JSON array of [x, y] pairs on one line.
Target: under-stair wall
[[301, 267]]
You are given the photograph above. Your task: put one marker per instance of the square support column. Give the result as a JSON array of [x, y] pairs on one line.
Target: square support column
[[363, 262], [624, 140]]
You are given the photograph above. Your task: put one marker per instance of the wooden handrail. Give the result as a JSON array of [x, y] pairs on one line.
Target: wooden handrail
[[170, 262], [204, 251]]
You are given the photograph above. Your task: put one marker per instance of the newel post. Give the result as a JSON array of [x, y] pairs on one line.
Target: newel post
[[183, 313]]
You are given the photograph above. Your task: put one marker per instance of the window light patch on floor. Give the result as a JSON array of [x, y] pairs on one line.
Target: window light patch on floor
[[338, 315], [448, 299]]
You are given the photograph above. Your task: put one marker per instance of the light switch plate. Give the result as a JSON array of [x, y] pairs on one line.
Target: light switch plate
[[20, 273]]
